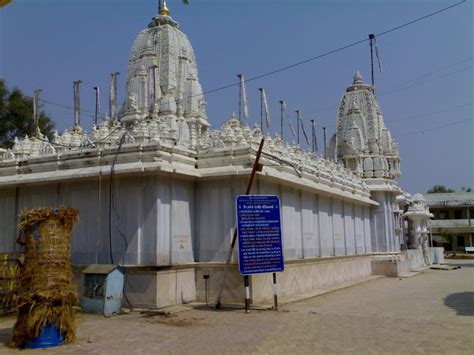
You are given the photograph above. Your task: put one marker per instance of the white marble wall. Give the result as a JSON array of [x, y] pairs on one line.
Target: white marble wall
[[313, 225], [151, 222], [165, 220], [338, 227], [349, 228], [383, 223]]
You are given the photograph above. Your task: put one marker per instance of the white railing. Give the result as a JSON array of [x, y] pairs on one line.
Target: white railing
[[446, 223]]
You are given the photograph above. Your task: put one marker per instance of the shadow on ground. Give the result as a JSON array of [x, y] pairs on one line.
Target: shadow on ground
[[223, 308], [461, 302], [461, 264]]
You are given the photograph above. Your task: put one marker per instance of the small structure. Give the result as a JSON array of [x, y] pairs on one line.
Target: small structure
[[103, 289], [419, 214]]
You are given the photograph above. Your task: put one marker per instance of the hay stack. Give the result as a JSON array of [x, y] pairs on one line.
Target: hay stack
[[46, 294]]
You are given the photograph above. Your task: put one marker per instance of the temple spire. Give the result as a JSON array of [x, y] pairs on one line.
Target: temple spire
[[164, 11], [357, 78]]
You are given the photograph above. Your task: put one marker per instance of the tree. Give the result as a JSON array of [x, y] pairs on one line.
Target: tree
[[466, 189], [16, 117], [439, 189]]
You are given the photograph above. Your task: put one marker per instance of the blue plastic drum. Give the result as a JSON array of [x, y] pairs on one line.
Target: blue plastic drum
[[49, 337]]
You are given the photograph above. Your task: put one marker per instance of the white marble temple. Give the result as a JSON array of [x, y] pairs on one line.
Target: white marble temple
[[174, 182]]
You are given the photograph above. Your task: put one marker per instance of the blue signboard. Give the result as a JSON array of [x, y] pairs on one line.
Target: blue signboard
[[259, 229]]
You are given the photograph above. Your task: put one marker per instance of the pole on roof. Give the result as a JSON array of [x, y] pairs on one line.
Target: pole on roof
[[325, 141], [97, 104], [77, 103], [36, 112], [113, 96], [371, 42]]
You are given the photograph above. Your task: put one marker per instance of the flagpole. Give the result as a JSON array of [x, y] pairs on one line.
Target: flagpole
[[371, 39], [297, 127], [77, 103], [261, 109], [36, 108], [240, 97], [315, 138], [97, 104], [325, 141], [281, 119]]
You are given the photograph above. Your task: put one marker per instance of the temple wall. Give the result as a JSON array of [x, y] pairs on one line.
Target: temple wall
[[326, 230], [313, 225], [300, 276], [349, 228], [159, 220], [383, 223], [215, 220], [152, 218]]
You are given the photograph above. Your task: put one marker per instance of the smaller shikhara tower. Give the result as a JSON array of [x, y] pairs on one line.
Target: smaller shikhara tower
[[163, 84], [362, 142], [364, 145]]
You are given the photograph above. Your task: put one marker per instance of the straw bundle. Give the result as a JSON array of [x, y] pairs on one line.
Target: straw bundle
[[46, 294]]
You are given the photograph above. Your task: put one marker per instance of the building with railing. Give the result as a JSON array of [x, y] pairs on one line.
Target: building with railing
[[452, 225]]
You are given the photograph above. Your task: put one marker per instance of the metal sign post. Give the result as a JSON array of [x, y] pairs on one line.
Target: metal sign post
[[275, 292], [256, 167], [260, 247]]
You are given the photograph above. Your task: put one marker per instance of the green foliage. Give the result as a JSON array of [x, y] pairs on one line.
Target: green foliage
[[440, 189], [443, 189], [16, 116]]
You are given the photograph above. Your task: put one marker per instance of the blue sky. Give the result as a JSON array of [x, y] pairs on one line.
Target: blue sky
[[427, 80]]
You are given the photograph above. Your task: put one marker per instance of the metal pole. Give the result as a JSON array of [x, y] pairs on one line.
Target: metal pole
[[97, 104], [275, 292], [261, 109], [36, 108], [240, 97], [371, 39], [325, 141], [256, 167], [77, 103], [113, 96], [315, 138], [312, 135], [206, 281], [298, 126], [281, 120], [247, 293]]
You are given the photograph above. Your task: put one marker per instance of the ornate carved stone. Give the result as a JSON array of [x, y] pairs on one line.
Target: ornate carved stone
[[362, 142]]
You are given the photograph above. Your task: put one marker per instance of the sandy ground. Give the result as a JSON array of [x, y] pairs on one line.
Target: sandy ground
[[432, 312]]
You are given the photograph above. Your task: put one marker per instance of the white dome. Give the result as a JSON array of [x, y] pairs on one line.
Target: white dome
[[162, 76]]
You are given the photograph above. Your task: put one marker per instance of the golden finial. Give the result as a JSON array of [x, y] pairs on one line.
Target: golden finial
[[164, 9]]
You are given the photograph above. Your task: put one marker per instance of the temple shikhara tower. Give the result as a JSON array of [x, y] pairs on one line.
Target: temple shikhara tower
[[155, 187], [362, 142], [364, 145], [163, 84]]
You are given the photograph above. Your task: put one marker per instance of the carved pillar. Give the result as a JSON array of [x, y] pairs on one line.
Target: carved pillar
[[419, 214]]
